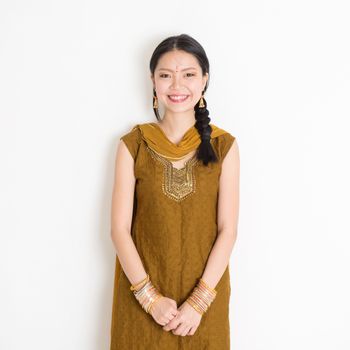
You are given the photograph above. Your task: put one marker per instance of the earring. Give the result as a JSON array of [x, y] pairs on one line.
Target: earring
[[155, 102], [201, 103]]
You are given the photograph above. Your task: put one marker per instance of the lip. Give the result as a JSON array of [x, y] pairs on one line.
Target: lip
[[180, 101]]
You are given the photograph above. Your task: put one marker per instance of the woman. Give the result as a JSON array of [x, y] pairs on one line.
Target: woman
[[174, 214]]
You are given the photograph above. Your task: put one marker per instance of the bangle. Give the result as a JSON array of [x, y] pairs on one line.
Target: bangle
[[202, 297], [194, 305], [137, 285], [147, 295], [149, 309], [206, 285]]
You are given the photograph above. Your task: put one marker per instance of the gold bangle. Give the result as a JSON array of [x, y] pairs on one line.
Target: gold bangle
[[147, 295], [153, 302], [144, 281], [189, 301], [206, 285], [201, 297]]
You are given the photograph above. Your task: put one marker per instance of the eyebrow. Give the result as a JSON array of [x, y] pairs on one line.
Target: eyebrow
[[172, 71]]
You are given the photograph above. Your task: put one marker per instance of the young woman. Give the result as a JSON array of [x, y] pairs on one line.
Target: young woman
[[175, 214]]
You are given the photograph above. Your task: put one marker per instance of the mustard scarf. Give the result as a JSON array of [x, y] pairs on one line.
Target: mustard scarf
[[157, 140]]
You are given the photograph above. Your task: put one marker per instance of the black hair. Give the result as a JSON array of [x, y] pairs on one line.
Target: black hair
[[186, 43]]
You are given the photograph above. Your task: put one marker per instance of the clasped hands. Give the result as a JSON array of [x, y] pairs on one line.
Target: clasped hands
[[181, 321]]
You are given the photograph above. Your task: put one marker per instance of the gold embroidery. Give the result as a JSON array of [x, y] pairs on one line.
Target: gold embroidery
[[177, 184]]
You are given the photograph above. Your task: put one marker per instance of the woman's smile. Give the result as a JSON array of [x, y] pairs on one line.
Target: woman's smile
[[177, 98]]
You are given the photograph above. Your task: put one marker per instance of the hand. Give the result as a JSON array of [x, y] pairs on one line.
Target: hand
[[164, 310], [186, 322]]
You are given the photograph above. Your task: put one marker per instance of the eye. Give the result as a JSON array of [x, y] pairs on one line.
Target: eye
[[190, 74], [162, 75]]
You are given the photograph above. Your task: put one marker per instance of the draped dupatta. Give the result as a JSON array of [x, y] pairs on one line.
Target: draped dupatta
[[157, 140]]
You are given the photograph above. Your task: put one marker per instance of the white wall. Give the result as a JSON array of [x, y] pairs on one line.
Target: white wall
[[74, 77]]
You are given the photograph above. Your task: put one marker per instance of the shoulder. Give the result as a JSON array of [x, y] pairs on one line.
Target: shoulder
[[223, 142], [132, 133], [132, 140]]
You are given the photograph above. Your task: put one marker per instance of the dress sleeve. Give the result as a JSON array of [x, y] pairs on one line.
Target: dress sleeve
[[132, 141], [226, 142]]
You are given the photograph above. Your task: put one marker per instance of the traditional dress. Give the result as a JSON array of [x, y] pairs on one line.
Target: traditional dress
[[174, 227]]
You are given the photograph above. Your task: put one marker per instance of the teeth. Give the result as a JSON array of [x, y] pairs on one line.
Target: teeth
[[181, 97]]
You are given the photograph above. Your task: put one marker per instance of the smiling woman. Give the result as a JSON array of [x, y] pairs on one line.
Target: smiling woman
[[175, 214]]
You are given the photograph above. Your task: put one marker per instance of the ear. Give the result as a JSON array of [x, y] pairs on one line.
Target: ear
[[205, 79]]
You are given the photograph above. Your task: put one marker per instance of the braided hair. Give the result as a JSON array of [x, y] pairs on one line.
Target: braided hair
[[205, 151]]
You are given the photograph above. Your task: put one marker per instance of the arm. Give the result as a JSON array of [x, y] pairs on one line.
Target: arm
[[220, 253], [228, 211], [164, 309], [122, 208]]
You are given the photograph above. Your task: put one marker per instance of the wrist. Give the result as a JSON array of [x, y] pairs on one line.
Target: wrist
[[202, 296], [146, 293], [138, 286]]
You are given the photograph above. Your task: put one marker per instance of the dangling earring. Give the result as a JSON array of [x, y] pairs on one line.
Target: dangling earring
[[155, 101], [201, 103]]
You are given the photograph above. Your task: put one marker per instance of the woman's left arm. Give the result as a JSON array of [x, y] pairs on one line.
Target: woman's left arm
[[188, 319], [228, 212]]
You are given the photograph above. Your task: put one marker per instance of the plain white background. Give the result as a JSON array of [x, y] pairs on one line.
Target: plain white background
[[74, 77]]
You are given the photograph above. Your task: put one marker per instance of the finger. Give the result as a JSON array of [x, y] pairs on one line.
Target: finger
[[172, 315], [172, 324], [165, 321], [192, 330], [179, 330], [174, 312], [168, 326], [185, 332]]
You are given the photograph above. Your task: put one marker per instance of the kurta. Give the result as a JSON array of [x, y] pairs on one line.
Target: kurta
[[174, 228]]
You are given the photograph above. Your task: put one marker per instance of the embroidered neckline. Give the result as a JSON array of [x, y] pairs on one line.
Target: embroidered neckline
[[178, 183]]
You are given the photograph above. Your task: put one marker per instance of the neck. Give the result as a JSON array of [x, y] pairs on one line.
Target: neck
[[175, 125]]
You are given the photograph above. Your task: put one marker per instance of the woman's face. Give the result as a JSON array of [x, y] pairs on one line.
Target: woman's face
[[178, 81]]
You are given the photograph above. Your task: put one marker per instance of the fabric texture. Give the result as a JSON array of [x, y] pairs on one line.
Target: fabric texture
[[174, 227]]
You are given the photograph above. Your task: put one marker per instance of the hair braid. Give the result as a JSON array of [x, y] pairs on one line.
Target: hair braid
[[205, 150]]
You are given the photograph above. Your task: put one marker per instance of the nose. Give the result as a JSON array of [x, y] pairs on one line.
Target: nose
[[176, 80]]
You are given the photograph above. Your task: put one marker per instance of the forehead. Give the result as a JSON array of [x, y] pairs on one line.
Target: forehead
[[177, 60]]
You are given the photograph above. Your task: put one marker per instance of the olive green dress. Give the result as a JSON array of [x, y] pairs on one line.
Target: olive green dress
[[174, 228]]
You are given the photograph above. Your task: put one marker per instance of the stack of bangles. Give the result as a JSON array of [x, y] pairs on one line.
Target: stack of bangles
[[201, 297], [146, 293]]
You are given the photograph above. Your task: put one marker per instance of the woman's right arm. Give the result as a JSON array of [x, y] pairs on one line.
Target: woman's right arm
[[122, 209], [164, 309]]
